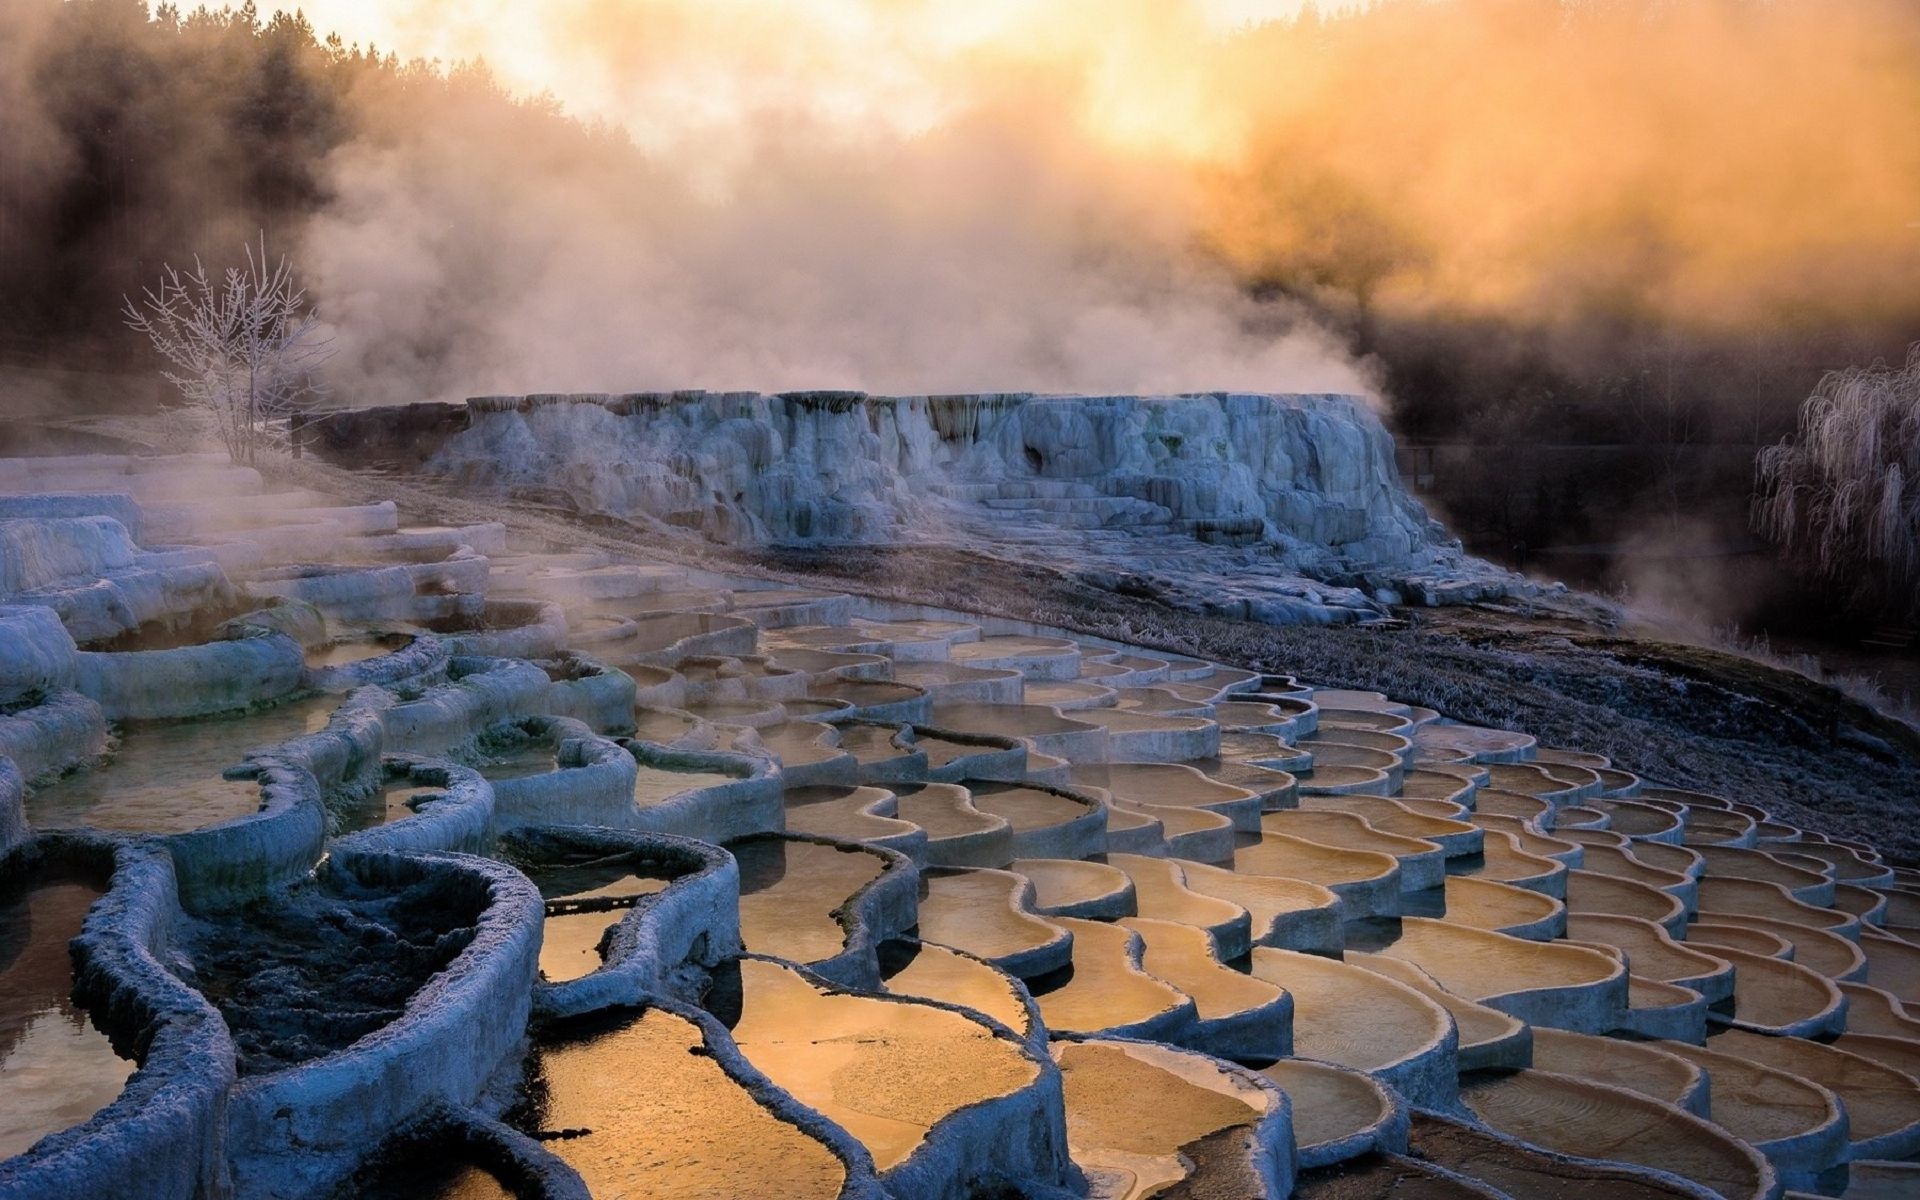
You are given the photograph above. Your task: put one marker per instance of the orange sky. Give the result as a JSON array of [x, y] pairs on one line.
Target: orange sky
[[1724, 161], [678, 72]]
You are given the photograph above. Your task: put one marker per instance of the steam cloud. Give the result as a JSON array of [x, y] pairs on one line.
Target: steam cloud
[[913, 195], [937, 218], [921, 194]]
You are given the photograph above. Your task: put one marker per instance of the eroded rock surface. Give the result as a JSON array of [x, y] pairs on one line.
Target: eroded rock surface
[[1278, 508]]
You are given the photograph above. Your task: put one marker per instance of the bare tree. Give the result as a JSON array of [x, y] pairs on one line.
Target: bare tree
[[1843, 496], [244, 348]]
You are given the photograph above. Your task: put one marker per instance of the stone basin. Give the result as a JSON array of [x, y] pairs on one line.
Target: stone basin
[[1487, 1036], [910, 968], [1172, 785], [1357, 718], [347, 651], [1423, 864], [1424, 783], [412, 1175], [1562, 849], [1541, 781], [958, 833], [1367, 882], [1623, 863], [166, 777], [1731, 862], [693, 1130], [1832, 955], [949, 682], [1498, 802], [1547, 983], [290, 973], [1161, 893], [792, 890], [801, 744], [1799, 1125], [1068, 694], [883, 1069], [1337, 1112], [397, 798], [1046, 822], [1067, 887], [1592, 892], [1503, 861], [1756, 898], [1238, 1015], [1289, 913], [1106, 991], [1634, 1066], [1457, 837], [1771, 995], [584, 900], [1037, 658], [1659, 856], [1142, 1120], [1654, 953], [886, 753], [853, 814], [1049, 731], [1882, 1104], [1486, 904], [1406, 1039], [1517, 1169], [988, 914], [1589, 1120]]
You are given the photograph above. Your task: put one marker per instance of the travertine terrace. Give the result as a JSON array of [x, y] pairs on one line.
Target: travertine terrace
[[348, 856]]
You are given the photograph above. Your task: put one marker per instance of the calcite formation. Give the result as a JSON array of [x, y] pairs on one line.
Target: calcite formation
[[346, 857], [1279, 508]]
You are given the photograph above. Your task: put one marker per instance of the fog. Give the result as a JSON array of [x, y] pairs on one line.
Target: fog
[[918, 194]]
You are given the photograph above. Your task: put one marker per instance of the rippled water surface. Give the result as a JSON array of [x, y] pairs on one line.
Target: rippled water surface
[[56, 1069]]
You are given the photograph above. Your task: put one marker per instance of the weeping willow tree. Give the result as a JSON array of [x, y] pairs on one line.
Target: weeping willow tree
[[1842, 497]]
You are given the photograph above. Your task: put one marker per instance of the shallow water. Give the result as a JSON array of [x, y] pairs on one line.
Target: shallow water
[[788, 892], [651, 1117], [570, 943], [570, 939], [937, 973], [429, 1176], [940, 751], [56, 1069], [340, 654], [883, 1071], [1128, 1117], [389, 804], [654, 783], [661, 726], [661, 630], [523, 763], [165, 778], [944, 810], [1026, 808]]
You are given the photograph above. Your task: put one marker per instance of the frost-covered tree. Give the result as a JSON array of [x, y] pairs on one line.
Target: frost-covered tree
[[244, 347], [1843, 495]]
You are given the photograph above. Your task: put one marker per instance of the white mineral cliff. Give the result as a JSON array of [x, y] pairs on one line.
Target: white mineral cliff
[[1282, 508]]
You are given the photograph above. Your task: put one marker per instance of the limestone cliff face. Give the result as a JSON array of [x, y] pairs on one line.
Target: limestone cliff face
[[1296, 471], [1300, 490]]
